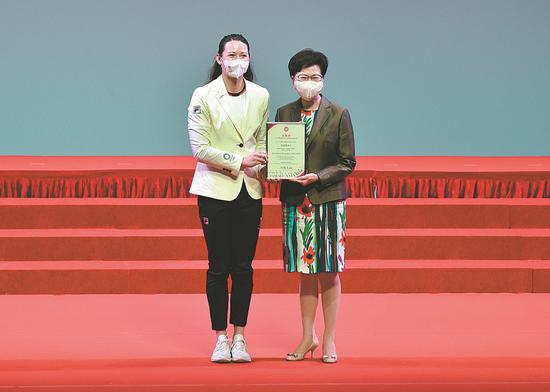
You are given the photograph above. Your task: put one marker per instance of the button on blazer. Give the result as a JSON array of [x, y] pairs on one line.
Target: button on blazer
[[330, 153], [221, 136]]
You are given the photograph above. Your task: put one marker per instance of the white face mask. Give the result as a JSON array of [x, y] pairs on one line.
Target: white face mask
[[235, 68], [308, 89]]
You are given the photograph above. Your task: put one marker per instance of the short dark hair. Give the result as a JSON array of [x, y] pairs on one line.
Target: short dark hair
[[306, 58], [216, 69]]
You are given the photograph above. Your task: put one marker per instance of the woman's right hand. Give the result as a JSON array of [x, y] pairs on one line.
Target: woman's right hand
[[253, 159]]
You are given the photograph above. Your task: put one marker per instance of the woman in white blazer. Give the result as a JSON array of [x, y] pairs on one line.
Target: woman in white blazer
[[227, 124]]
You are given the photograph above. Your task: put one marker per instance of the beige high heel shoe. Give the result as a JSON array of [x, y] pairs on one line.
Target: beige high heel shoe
[[301, 356], [330, 358]]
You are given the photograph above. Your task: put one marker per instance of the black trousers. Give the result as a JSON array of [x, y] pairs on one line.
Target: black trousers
[[231, 231]]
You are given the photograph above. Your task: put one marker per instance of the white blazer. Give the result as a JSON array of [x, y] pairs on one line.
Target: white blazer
[[220, 138]]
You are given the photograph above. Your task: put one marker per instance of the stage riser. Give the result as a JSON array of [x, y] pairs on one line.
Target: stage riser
[[87, 246], [187, 281], [174, 216], [362, 245]]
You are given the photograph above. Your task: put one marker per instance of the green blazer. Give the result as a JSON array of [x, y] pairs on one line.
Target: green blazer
[[330, 153]]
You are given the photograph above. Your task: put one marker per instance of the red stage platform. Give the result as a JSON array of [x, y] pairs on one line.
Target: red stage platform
[[386, 342], [411, 177], [125, 228]]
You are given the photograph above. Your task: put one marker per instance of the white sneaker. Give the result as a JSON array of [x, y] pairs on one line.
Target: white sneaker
[[222, 353], [238, 350]]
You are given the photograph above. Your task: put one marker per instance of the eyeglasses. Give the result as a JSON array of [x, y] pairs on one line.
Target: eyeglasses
[[301, 77]]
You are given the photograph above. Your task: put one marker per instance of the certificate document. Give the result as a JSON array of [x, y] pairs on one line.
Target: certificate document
[[286, 148]]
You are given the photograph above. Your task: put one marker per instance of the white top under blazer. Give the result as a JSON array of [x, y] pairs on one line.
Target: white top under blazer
[[221, 133]]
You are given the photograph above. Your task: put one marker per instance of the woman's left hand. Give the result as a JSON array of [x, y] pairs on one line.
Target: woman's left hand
[[305, 179]]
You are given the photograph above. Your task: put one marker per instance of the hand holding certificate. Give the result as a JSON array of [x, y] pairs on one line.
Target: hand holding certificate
[[286, 148]]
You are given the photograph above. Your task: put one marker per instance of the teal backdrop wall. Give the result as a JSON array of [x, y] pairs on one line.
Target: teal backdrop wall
[[420, 77]]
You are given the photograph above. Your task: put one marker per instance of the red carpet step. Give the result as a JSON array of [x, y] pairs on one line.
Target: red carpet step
[[182, 213], [188, 244], [189, 277], [60, 246]]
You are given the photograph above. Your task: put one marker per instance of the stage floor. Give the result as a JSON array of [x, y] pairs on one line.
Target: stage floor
[[386, 342]]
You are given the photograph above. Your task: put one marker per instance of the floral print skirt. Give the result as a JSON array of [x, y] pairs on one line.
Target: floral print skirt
[[314, 237]]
